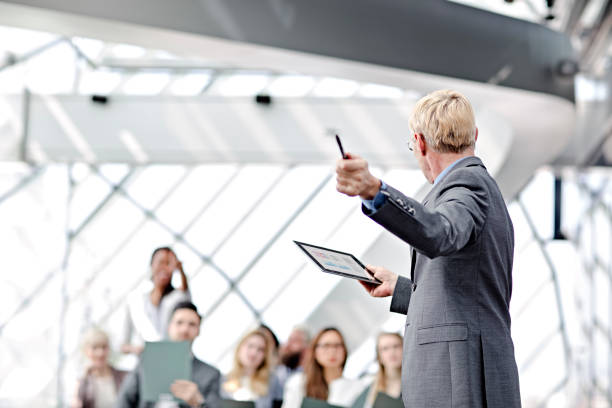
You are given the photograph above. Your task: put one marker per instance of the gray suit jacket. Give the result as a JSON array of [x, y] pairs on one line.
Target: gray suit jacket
[[457, 346], [204, 375]]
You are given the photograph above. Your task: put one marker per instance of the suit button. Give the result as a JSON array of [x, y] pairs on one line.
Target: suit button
[[411, 211]]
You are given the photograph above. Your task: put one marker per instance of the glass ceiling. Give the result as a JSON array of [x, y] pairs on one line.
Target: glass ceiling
[[78, 237]]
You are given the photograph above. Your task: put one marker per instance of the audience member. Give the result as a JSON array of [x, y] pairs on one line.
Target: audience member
[[291, 355], [322, 377], [149, 310], [203, 389], [99, 386], [273, 341], [389, 377], [250, 378]]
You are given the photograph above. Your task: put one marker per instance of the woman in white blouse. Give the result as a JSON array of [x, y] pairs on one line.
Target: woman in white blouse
[[322, 377], [249, 379]]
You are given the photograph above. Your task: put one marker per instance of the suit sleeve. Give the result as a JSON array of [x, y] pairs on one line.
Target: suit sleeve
[[456, 219], [212, 399], [129, 393], [401, 295]]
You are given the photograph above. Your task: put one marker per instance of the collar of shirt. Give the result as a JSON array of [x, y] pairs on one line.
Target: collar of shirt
[[447, 169]]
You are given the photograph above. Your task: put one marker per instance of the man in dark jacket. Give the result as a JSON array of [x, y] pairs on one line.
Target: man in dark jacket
[[202, 390]]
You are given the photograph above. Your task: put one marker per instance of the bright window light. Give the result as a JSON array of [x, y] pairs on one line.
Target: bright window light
[[12, 79], [53, 71], [291, 86], [380, 91], [242, 84], [99, 82], [190, 84], [20, 41], [127, 51], [335, 88], [88, 46], [146, 83]]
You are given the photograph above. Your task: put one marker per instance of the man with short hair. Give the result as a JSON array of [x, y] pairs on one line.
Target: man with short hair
[[203, 390], [457, 346], [291, 354]]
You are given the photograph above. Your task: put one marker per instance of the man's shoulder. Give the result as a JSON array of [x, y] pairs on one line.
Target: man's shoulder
[[203, 368]]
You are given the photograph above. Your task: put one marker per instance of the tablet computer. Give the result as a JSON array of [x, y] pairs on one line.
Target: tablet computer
[[337, 263]]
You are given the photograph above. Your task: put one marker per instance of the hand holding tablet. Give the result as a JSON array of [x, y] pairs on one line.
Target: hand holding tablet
[[337, 263]]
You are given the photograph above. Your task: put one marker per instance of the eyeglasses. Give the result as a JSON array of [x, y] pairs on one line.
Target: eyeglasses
[[329, 346], [388, 348], [410, 142]]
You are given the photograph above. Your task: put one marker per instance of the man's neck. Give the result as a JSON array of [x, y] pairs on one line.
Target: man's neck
[[442, 160]]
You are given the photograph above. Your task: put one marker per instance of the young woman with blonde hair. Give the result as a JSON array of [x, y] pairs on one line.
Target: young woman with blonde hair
[[249, 379], [389, 377], [100, 385]]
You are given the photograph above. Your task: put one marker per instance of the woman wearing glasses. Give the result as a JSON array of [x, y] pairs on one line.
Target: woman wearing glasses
[[322, 377]]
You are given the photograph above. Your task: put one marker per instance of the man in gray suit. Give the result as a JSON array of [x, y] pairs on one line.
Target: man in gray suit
[[457, 346], [202, 391]]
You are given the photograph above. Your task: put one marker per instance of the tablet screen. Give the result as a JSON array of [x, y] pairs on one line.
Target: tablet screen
[[340, 263]]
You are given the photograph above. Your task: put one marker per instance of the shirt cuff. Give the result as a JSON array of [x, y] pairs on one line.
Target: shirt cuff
[[379, 199]]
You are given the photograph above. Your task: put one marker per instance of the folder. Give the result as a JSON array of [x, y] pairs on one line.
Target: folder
[[384, 400], [162, 363], [316, 403]]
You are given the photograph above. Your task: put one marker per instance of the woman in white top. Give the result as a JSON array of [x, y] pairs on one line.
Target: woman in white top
[[98, 387], [322, 377], [149, 309], [389, 377], [249, 379]]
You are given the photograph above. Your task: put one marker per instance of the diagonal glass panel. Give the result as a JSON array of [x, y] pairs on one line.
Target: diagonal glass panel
[[210, 346], [114, 172], [86, 196], [534, 385], [52, 71], [116, 220], [200, 186], [37, 316], [539, 320], [601, 284], [229, 208], [152, 183], [538, 197], [207, 288], [529, 274], [128, 269], [268, 217], [315, 225]]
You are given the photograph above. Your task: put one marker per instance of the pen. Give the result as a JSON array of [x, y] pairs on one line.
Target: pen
[[340, 146]]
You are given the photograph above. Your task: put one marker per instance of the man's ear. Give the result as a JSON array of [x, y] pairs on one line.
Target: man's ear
[[421, 145], [476, 135]]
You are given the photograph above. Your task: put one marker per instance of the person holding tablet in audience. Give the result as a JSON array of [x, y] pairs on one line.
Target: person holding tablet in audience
[[203, 388], [322, 377], [149, 309], [99, 386], [249, 379], [389, 377]]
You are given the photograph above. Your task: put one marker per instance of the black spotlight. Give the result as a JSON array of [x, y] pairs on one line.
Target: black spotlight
[[263, 99], [101, 99]]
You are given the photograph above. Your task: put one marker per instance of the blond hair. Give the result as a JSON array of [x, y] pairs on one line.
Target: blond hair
[[446, 120], [260, 379], [93, 336], [380, 382]]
